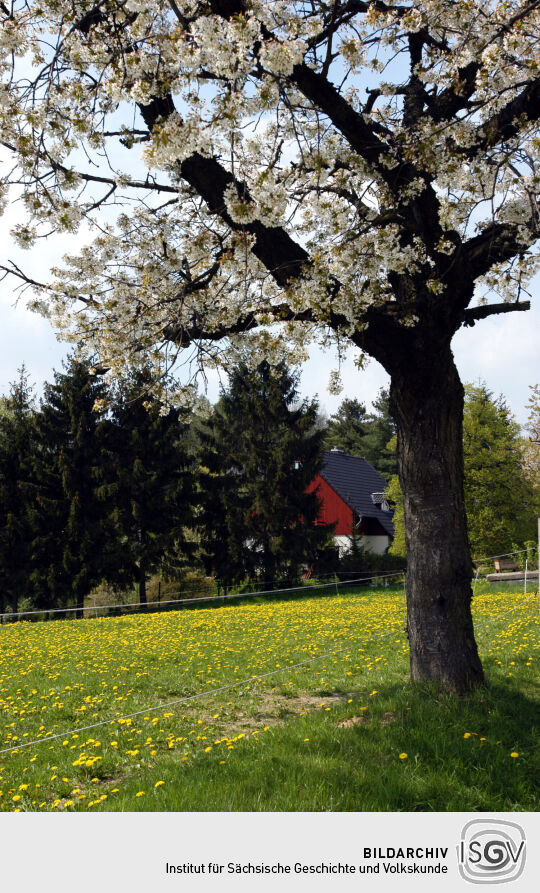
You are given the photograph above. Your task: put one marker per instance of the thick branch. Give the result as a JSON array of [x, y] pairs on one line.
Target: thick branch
[[499, 242], [473, 314], [281, 255], [506, 123], [183, 334], [453, 99], [351, 124]]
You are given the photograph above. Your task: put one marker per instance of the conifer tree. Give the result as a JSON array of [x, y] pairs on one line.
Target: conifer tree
[[346, 428], [17, 441], [262, 452], [498, 498], [360, 433], [73, 542], [531, 443], [151, 484]]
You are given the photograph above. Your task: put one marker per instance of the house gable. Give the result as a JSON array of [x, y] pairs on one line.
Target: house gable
[[350, 489], [333, 508]]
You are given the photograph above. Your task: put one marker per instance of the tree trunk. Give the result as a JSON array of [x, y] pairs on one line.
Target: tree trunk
[[427, 397]]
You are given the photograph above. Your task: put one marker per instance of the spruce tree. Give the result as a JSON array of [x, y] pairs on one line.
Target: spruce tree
[[73, 542], [499, 499], [346, 428], [17, 442], [151, 484], [364, 434], [263, 450]]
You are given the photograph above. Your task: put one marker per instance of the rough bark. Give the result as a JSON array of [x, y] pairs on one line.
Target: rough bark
[[427, 397]]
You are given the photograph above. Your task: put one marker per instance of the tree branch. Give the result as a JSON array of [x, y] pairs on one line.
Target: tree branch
[[497, 243], [453, 99], [284, 258], [505, 124], [473, 314]]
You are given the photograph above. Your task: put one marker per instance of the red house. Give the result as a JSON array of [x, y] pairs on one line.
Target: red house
[[352, 495]]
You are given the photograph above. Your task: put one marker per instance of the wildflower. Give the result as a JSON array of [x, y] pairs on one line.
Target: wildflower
[[514, 754], [467, 735], [158, 784], [403, 756], [139, 794]]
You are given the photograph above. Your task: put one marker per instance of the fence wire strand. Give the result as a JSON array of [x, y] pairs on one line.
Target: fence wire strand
[[221, 688]]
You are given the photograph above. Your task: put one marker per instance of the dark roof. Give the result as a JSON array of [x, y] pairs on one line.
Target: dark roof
[[356, 481]]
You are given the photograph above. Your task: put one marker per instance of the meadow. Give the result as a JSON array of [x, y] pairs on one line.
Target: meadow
[[299, 704]]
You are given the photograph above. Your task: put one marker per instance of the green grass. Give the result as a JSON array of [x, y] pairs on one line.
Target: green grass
[[325, 735]]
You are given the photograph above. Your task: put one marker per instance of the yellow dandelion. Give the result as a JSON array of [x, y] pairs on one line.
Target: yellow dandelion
[[158, 784], [139, 794], [514, 754], [403, 756]]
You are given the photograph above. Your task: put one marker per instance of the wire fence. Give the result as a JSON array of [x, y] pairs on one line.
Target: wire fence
[[203, 597], [131, 607], [221, 688]]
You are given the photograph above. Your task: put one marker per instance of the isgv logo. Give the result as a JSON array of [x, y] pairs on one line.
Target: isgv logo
[[491, 851]]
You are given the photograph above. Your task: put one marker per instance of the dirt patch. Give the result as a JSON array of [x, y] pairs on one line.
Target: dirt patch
[[272, 708], [351, 721]]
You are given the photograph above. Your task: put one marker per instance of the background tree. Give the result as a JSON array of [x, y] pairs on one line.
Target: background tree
[[531, 441], [346, 428], [360, 433], [498, 498], [150, 487], [334, 170], [263, 451], [17, 444], [73, 542]]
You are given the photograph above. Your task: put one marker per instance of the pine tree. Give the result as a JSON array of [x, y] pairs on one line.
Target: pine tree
[[347, 428], [73, 542], [360, 433], [151, 484], [498, 498], [17, 442], [381, 429], [531, 443], [262, 452]]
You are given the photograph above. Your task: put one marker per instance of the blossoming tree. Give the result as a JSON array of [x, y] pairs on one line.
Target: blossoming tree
[[273, 171]]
